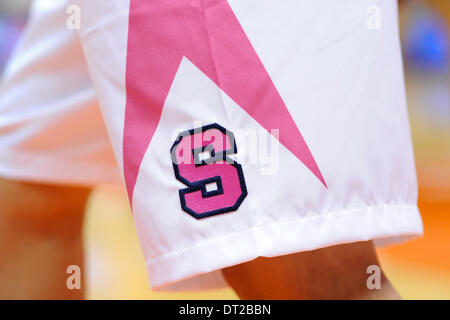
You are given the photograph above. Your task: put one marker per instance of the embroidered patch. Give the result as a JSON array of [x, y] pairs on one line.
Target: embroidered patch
[[215, 182]]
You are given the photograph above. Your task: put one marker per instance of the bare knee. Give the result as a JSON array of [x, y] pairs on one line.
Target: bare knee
[[41, 209], [337, 272], [40, 234]]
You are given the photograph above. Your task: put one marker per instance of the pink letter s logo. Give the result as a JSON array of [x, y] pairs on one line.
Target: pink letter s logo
[[215, 183]]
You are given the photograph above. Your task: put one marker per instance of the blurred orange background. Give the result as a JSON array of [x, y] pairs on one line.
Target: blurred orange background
[[419, 269]]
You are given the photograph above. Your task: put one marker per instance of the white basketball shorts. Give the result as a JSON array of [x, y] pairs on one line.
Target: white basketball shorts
[[239, 128]]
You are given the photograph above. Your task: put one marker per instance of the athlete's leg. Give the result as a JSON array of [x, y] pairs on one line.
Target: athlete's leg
[[40, 236], [52, 132], [337, 272]]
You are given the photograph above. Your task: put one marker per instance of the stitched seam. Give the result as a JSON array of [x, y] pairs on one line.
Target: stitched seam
[[155, 259]]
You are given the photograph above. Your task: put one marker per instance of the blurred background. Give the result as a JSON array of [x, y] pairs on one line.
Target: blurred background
[[419, 269]]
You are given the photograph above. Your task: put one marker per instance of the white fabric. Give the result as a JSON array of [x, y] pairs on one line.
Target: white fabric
[[50, 126], [341, 81]]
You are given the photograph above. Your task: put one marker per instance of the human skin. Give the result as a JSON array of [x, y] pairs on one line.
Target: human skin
[[336, 272], [41, 235]]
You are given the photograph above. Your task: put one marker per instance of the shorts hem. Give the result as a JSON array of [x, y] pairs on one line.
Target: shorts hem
[[45, 169], [383, 223]]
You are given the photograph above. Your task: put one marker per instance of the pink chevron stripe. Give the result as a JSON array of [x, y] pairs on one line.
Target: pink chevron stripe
[[208, 33]]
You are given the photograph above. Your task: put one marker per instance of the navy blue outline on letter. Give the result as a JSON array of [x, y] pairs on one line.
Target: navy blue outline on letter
[[201, 185]]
